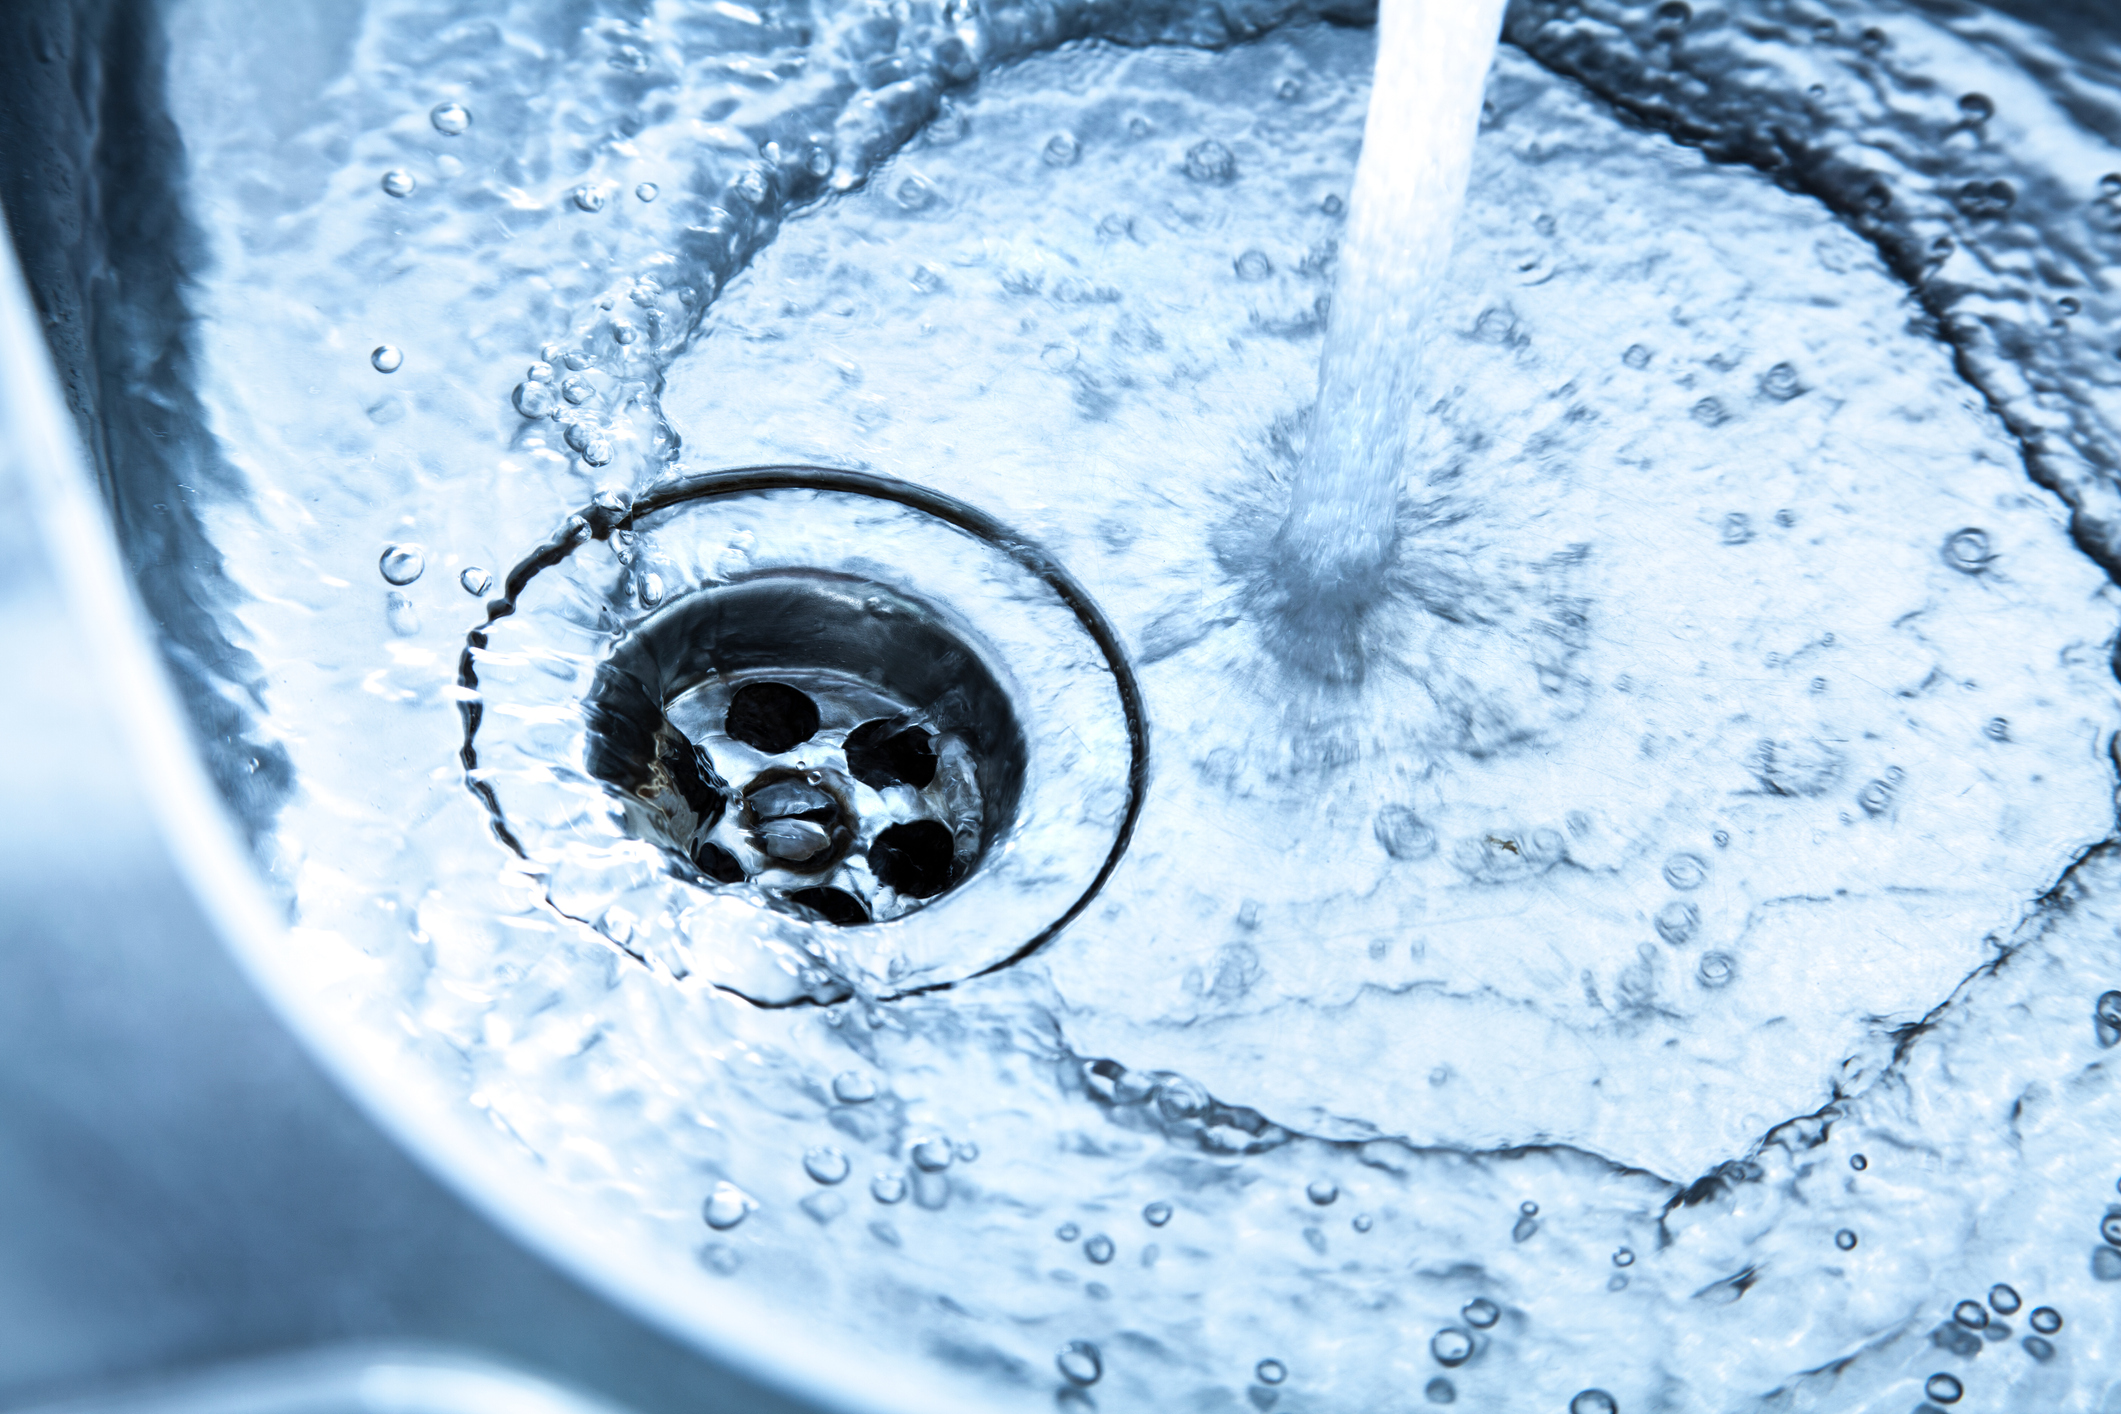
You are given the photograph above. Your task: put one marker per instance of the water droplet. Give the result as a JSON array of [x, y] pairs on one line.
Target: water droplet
[[450, 119], [750, 187], [1636, 356], [398, 182], [1451, 1347], [1067, 1232], [933, 1154], [1943, 1388], [1403, 834], [475, 580], [1977, 107], [1709, 412], [402, 564], [597, 451], [1361, 1223], [1971, 1314], [1594, 1401], [2045, 1319], [1480, 1313], [398, 612], [1845, 1239], [1157, 1213], [1333, 206], [1677, 922], [1529, 1208], [2106, 1019], [727, 1206], [1737, 529], [577, 390], [888, 1187], [2110, 184], [1876, 798], [2004, 1298], [1625, 1257], [1968, 550], [1674, 12], [387, 358], [1061, 150], [1271, 1371], [1099, 1249], [1288, 90], [1080, 1363], [1716, 970], [1254, 265], [851, 1087], [651, 590], [647, 191], [534, 400], [1439, 1391], [1322, 1191], [1686, 871], [1986, 201], [2110, 1228], [1858, 1162], [967, 1152], [589, 197], [825, 1164], [1210, 161]]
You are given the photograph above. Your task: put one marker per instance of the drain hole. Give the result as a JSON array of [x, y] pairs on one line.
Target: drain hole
[[914, 859], [883, 753], [771, 717], [717, 863], [835, 906]]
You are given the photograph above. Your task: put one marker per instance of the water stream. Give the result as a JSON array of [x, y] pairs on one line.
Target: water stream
[[1678, 979]]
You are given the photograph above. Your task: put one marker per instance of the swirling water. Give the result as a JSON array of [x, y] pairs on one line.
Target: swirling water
[[1676, 979]]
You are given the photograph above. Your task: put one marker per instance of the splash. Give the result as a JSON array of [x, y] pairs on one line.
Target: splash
[[1333, 552]]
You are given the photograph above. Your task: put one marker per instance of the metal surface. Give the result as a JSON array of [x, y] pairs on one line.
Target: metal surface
[[183, 1184]]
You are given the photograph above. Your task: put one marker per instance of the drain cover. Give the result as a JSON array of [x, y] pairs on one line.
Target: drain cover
[[800, 732]]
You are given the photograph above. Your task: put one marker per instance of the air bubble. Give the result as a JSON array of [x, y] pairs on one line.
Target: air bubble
[[1480, 1313], [826, 1164], [1210, 161], [1253, 265], [1781, 383], [402, 564], [1968, 550], [589, 197], [1439, 1391], [450, 119], [2045, 1319], [1333, 206], [1080, 1363], [1099, 1248], [1322, 1191], [851, 1087], [1686, 871], [1403, 834], [652, 590], [727, 1206], [1594, 1401], [1271, 1372], [1943, 1388], [933, 1155], [1716, 970], [750, 187], [1061, 150], [475, 580], [1067, 1232], [1361, 1222], [535, 400], [1625, 1257], [596, 451], [967, 1152], [1451, 1346], [1636, 356], [1977, 107], [577, 390], [1157, 1213], [1288, 90], [387, 358], [1677, 922], [2106, 1019], [1971, 1314], [398, 182], [913, 194], [1858, 1162], [2004, 1298], [888, 1187], [2110, 1228], [1845, 1239]]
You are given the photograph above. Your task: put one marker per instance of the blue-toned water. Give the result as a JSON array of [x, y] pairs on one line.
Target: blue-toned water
[[1668, 975]]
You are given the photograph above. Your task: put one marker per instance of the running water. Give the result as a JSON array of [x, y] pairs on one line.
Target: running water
[[1433, 58]]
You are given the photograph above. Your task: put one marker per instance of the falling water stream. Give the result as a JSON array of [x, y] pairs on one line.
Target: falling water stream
[[1682, 976]]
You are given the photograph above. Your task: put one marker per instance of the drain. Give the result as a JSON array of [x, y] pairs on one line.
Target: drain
[[797, 731], [832, 741]]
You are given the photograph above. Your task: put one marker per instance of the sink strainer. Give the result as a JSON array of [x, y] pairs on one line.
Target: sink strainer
[[805, 730]]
